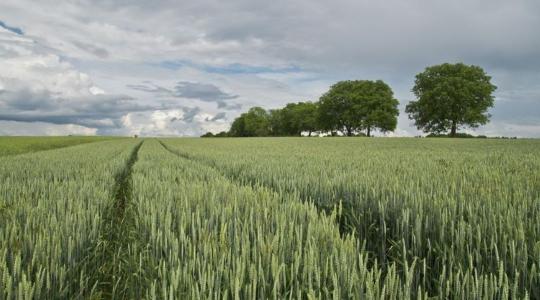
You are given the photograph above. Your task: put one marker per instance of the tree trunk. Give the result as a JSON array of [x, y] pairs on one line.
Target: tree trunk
[[454, 129], [349, 131], [369, 131], [309, 134]]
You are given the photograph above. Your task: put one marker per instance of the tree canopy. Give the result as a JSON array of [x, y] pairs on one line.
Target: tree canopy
[[305, 115], [256, 122], [353, 106], [295, 118], [349, 107], [450, 96]]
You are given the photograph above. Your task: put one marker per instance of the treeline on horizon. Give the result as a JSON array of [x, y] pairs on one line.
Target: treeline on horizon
[[449, 97], [350, 107]]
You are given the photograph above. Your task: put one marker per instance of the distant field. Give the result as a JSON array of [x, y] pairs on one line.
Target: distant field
[[258, 218], [22, 144]]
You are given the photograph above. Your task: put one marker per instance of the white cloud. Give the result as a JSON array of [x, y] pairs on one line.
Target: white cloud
[[39, 86], [26, 62]]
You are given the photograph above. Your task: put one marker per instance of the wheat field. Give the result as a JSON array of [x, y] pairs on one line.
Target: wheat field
[[272, 218]]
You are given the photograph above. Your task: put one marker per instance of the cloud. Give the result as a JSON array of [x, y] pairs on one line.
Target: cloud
[[233, 68], [205, 92], [154, 89], [38, 86], [217, 117], [234, 54], [517, 110], [185, 89], [12, 29], [202, 91], [97, 51], [41, 106], [189, 114], [186, 121]]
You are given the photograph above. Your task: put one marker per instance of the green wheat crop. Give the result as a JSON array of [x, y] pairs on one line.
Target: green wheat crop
[[24, 144], [51, 206], [272, 218], [466, 212]]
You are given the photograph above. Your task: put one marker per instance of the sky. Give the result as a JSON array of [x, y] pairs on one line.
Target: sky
[[182, 68]]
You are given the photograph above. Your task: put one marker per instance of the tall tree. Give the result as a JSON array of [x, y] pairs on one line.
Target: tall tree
[[306, 114], [451, 96], [299, 117], [276, 119], [238, 126], [256, 122], [290, 120], [352, 106]]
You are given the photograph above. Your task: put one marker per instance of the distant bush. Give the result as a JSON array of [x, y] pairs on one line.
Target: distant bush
[[221, 134], [458, 135], [466, 135]]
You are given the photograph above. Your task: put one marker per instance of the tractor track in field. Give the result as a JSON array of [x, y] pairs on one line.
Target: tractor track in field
[[123, 188], [111, 261]]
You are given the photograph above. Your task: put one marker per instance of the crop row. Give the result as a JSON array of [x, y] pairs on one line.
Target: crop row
[[51, 218], [463, 211], [10, 145], [210, 238]]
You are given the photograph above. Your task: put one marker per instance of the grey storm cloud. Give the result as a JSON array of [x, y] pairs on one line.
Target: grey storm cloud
[[11, 28], [151, 88], [333, 36], [229, 106], [191, 90], [102, 111], [217, 117], [189, 114], [26, 99], [97, 51], [202, 91]]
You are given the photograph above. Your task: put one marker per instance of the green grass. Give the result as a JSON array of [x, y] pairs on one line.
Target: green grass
[[252, 218], [21, 144]]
